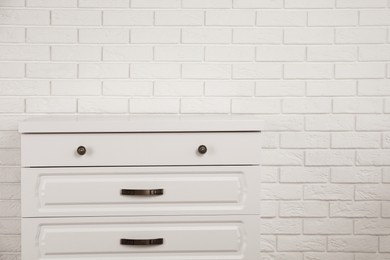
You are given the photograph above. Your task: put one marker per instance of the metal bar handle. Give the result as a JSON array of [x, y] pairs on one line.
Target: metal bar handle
[[131, 192], [142, 242]]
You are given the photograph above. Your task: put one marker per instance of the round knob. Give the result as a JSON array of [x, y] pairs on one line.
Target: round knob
[[202, 149], [81, 150]]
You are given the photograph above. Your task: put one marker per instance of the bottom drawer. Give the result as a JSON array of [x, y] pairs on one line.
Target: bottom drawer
[[173, 238]]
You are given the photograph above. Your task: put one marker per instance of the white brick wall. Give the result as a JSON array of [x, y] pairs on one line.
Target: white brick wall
[[317, 71]]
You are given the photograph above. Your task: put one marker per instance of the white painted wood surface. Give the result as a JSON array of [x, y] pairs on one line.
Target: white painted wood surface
[[72, 207], [185, 237], [97, 191], [121, 149]]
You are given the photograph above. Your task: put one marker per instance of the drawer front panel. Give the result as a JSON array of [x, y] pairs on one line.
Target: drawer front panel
[[97, 191], [190, 238], [123, 149]]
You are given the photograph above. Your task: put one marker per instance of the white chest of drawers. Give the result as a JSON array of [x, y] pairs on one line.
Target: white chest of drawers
[[142, 188]]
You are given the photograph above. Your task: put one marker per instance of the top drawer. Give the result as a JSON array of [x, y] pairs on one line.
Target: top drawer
[[126, 149]]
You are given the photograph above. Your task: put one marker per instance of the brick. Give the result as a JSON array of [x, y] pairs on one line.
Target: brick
[[10, 243], [328, 192], [9, 3], [308, 71], [128, 17], [269, 174], [52, 35], [280, 88], [373, 157], [217, 4], [306, 105], [327, 226], [52, 3], [332, 53], [299, 209], [103, 105], [361, 3], [12, 34], [178, 53], [103, 70], [229, 53], [333, 18], [155, 3], [51, 70], [25, 17], [281, 18], [104, 35], [205, 105], [76, 17], [384, 243], [360, 70], [280, 226], [309, 3], [267, 243], [270, 140], [329, 256], [75, 87], [372, 192], [385, 140], [375, 17], [10, 122], [356, 140], [104, 3], [127, 53], [331, 88], [155, 35], [9, 140], [24, 52], [229, 88], [385, 209], [355, 175], [305, 140], [51, 105], [373, 122], [256, 106], [360, 35], [10, 227], [154, 70], [11, 70], [231, 17], [374, 53], [304, 174], [9, 157], [257, 71], [372, 226], [330, 123], [178, 88], [127, 88], [361, 105], [283, 123], [354, 209], [76, 53], [386, 175], [301, 243], [280, 53], [206, 71], [281, 191], [282, 157], [24, 87], [257, 4], [352, 244], [9, 191], [179, 18], [329, 157], [308, 35], [269, 209], [258, 35]]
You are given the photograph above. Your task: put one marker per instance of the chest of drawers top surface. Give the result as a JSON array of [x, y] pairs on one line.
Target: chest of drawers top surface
[[115, 124]]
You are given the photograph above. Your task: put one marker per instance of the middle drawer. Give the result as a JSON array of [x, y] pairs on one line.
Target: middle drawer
[[121, 191]]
